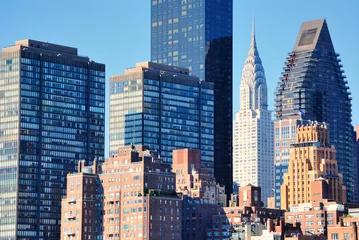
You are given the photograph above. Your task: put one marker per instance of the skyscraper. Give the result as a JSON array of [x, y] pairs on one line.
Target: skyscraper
[[253, 128], [52, 104], [312, 158], [198, 35], [313, 87], [162, 107]]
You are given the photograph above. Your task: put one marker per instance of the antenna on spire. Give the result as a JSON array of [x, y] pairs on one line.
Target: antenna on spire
[[253, 41]]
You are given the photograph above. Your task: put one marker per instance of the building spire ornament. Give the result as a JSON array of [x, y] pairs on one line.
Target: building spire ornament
[[253, 89]]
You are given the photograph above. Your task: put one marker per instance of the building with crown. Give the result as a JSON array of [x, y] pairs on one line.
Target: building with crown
[[313, 87], [313, 171], [253, 129]]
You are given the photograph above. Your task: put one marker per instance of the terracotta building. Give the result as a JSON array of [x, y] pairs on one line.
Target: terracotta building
[[131, 196], [348, 227], [311, 158]]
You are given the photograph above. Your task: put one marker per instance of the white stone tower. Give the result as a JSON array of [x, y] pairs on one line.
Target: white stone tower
[[253, 128]]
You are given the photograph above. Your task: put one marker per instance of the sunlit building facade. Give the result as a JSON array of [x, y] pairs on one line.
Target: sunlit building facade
[[198, 35], [162, 107], [52, 113], [313, 87], [253, 128]]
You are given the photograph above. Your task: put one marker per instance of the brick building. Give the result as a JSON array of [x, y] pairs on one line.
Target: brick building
[[231, 221], [316, 217], [131, 196], [194, 180], [202, 196], [311, 158]]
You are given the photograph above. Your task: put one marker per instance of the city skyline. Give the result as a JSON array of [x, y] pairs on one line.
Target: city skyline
[[108, 32]]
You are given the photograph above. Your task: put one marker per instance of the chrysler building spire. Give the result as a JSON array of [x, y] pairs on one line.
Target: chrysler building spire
[[253, 128], [253, 89]]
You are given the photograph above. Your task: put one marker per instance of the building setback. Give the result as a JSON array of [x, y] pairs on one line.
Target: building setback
[[313, 87], [131, 196], [284, 135], [253, 128], [313, 169], [164, 108], [52, 113], [198, 35]]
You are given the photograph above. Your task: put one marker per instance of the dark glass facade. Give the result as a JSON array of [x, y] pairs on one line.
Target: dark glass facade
[[52, 115], [313, 87], [197, 34], [163, 108]]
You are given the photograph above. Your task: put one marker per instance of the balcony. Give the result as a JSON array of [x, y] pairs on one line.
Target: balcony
[[71, 216], [71, 200], [70, 234]]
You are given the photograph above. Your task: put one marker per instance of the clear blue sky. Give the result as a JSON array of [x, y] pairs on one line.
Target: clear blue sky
[[117, 32]]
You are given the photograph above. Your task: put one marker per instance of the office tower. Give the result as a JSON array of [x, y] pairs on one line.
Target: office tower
[[198, 35], [130, 196], [52, 107], [313, 87], [253, 128], [312, 157], [162, 107]]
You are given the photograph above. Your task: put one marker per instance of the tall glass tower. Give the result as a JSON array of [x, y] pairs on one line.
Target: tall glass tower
[[197, 35], [51, 115], [313, 87], [162, 107]]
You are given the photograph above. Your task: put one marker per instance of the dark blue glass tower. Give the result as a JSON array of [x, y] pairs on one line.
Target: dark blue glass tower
[[197, 34], [313, 87], [51, 116]]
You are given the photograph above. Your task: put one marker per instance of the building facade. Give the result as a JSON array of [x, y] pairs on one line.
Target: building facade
[[52, 114], [198, 35], [284, 135], [313, 87], [253, 128], [316, 217], [244, 220], [194, 181], [135, 199], [312, 158], [164, 108]]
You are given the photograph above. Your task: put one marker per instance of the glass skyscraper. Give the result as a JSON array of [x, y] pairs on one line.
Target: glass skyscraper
[[51, 115], [197, 34], [313, 87], [162, 107]]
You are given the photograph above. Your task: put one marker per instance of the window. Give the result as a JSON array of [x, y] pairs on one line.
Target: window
[[334, 236]]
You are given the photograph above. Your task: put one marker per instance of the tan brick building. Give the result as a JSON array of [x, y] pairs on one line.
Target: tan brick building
[[131, 196], [311, 158]]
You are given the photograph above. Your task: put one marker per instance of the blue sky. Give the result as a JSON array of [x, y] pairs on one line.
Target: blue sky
[[117, 32]]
